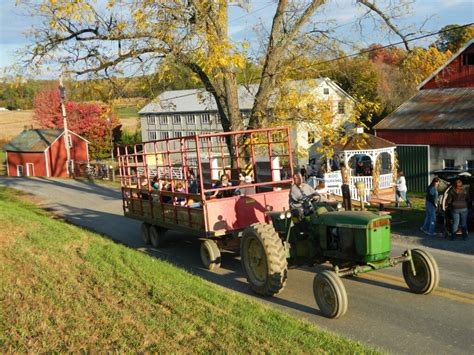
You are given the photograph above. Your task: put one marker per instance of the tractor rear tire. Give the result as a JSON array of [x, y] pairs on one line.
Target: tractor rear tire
[[210, 254], [157, 236], [427, 273], [264, 259], [330, 294], [145, 230]]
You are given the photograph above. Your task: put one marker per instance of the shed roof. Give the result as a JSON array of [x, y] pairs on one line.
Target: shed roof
[[363, 141], [33, 140], [433, 109]]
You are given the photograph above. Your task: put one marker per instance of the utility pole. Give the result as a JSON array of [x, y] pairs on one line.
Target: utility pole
[[62, 91], [111, 167]]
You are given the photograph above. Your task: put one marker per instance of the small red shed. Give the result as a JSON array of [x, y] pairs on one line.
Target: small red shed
[[42, 152]]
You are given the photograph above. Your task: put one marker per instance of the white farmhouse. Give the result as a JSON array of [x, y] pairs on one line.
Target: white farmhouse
[[187, 112]]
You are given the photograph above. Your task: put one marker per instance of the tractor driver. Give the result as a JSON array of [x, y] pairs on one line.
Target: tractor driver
[[298, 191]]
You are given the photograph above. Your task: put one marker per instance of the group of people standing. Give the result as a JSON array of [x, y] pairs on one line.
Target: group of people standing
[[458, 202]]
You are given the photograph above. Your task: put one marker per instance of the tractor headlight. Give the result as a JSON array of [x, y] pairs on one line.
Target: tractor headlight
[[288, 214], [282, 216]]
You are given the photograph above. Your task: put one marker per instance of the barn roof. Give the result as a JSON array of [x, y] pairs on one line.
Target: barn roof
[[433, 109], [363, 141], [33, 140]]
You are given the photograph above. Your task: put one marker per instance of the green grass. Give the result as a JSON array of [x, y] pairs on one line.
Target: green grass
[[63, 288], [127, 111]]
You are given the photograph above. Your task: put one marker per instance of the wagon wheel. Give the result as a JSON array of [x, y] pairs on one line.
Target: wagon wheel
[[145, 230], [157, 236], [330, 294], [210, 254], [427, 272], [263, 259]]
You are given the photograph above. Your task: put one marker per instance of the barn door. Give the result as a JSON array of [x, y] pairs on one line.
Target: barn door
[[30, 169], [414, 161]]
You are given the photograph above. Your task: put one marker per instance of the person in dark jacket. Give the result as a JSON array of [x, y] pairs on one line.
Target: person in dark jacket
[[429, 225], [458, 201]]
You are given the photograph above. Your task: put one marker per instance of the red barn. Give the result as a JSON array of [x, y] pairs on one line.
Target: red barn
[[42, 152], [440, 117]]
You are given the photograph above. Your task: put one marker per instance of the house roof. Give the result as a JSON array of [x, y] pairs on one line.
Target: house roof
[[33, 140], [363, 141], [437, 71], [194, 100], [199, 100], [432, 109]]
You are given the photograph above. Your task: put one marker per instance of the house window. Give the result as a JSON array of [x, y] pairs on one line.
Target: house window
[[164, 119], [470, 164], [468, 59], [19, 170], [190, 119], [191, 133], [151, 136], [176, 119], [341, 107], [448, 163], [206, 118], [311, 137], [177, 134], [151, 119], [326, 91], [164, 135]]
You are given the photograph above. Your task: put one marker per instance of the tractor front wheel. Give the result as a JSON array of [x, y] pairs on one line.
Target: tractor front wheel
[[427, 273], [330, 294], [263, 259], [210, 254], [145, 229], [157, 236]]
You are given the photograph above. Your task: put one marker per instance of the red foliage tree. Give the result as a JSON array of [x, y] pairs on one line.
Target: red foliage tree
[[88, 119], [390, 56]]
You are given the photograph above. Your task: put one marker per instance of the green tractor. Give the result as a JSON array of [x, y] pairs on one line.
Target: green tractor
[[354, 242]]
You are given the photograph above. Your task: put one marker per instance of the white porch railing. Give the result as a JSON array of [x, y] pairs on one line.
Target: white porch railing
[[333, 182]]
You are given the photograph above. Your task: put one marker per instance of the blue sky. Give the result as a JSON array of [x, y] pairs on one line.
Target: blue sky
[[439, 13]]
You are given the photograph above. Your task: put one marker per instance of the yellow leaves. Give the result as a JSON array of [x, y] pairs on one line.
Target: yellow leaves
[[420, 63], [110, 4]]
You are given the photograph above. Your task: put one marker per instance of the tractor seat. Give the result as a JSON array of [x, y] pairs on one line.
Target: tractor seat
[[321, 210]]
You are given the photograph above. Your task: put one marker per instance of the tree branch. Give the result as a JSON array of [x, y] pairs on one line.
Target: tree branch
[[387, 21]]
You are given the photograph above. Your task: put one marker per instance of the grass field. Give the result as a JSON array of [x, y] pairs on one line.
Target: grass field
[[128, 117], [127, 111], [65, 289], [13, 122]]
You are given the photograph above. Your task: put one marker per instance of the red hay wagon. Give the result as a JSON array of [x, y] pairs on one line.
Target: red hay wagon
[[174, 184]]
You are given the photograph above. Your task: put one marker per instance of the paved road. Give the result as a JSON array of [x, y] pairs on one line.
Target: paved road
[[381, 311]]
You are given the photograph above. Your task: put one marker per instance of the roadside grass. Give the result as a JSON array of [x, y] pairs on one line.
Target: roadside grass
[[63, 288], [413, 218]]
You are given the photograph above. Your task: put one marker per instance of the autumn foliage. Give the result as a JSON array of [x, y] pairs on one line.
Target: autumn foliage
[[88, 119]]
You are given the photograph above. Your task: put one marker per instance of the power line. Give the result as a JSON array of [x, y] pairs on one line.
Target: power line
[[251, 12], [365, 51]]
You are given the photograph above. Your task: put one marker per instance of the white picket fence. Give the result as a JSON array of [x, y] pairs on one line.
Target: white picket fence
[[333, 182]]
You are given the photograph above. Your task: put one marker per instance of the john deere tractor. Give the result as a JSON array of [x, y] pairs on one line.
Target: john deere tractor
[[354, 242]]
